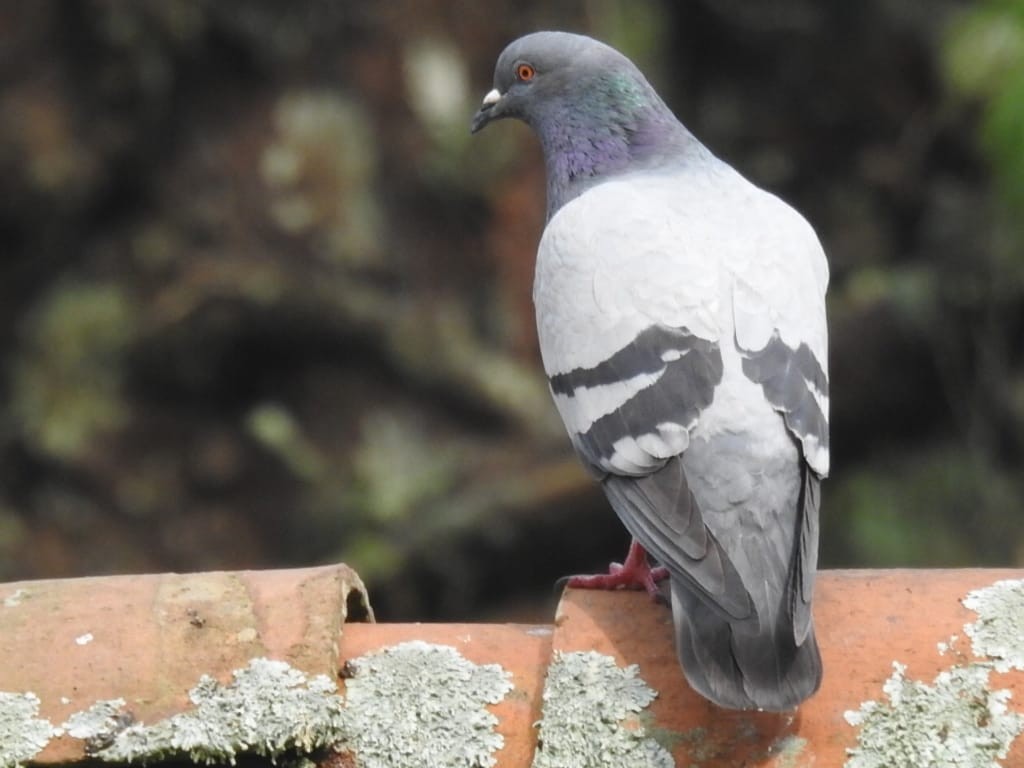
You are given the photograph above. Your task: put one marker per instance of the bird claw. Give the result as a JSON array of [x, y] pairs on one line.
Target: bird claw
[[635, 573]]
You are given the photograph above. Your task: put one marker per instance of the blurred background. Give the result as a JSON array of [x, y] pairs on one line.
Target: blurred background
[[265, 303]]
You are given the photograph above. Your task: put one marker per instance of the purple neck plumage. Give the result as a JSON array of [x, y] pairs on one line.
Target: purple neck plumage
[[585, 144]]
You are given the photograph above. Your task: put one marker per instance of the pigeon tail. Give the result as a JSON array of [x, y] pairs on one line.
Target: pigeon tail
[[735, 665], [740, 646]]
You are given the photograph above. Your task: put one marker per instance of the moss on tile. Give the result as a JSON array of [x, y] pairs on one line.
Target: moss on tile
[[592, 715]]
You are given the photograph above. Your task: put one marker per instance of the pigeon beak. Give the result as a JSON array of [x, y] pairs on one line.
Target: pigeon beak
[[485, 114]]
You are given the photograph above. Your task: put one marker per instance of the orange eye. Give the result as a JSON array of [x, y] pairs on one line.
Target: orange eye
[[525, 72]]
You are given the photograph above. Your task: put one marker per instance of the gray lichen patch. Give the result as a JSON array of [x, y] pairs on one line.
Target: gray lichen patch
[[14, 599], [999, 631], [99, 724], [591, 715], [418, 704], [23, 734], [787, 750], [408, 705], [956, 721], [269, 709]]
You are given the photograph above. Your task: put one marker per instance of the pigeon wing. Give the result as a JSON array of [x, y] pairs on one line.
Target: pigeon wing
[[629, 320], [778, 300], [780, 328]]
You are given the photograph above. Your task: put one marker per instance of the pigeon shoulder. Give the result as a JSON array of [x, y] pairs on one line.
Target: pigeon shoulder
[[781, 278], [626, 254]]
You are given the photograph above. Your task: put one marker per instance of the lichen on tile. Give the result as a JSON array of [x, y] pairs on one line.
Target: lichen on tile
[[99, 723], [269, 709], [407, 705], [592, 715], [956, 721], [999, 631], [418, 704], [23, 734], [787, 751], [14, 599]]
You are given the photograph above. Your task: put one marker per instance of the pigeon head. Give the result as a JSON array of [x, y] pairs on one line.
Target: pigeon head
[[594, 112]]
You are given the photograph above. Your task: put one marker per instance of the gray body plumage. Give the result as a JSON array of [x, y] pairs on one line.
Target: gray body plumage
[[681, 318]]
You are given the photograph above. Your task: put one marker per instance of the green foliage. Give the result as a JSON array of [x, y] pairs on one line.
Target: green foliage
[[399, 467], [984, 60], [936, 507], [639, 30], [12, 538], [273, 425], [318, 170], [67, 378]]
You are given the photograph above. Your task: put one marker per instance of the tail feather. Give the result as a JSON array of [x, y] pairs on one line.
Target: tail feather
[[741, 593], [806, 560], [737, 665]]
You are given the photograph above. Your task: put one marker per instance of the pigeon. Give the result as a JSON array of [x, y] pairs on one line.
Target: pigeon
[[681, 321]]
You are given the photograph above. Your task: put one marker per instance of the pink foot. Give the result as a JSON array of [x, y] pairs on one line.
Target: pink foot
[[635, 573]]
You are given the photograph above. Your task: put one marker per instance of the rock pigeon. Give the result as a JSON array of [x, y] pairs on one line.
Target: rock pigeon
[[681, 318]]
